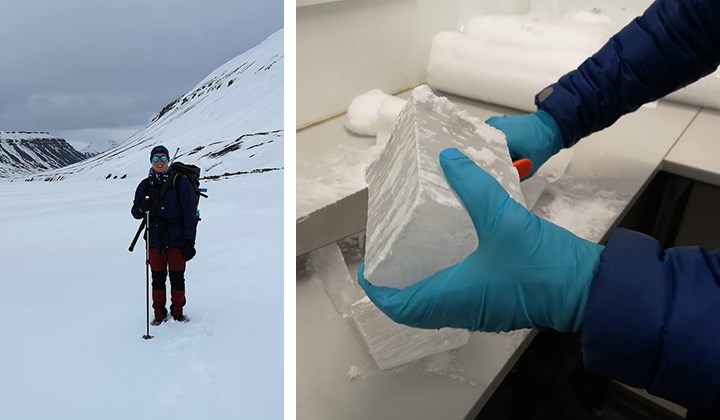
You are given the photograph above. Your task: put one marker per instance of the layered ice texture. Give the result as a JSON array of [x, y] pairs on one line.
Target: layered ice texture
[[390, 344], [416, 224]]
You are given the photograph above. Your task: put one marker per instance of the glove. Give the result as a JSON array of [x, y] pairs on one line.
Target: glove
[[533, 136], [526, 272], [145, 206], [188, 250]]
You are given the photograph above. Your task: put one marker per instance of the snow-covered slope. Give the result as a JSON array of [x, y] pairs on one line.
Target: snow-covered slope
[[97, 146], [23, 152], [230, 123]]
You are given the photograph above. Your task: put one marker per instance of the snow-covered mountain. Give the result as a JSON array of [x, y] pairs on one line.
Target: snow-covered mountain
[[231, 123], [96, 147], [23, 152]]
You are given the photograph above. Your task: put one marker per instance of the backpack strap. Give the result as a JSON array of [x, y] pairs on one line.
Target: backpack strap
[[163, 190], [175, 176]]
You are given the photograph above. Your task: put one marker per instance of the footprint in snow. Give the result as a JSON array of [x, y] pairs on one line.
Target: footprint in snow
[[203, 372], [178, 345]]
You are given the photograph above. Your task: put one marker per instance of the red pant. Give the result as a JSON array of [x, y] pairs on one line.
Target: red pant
[[161, 260]]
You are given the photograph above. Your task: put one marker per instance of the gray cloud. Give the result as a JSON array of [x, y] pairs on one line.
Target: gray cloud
[[77, 64]]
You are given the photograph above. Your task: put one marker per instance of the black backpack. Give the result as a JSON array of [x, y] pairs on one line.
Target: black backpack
[[192, 173]]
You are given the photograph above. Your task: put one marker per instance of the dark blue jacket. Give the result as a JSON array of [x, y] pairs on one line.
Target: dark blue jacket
[[671, 45], [653, 315], [174, 221]]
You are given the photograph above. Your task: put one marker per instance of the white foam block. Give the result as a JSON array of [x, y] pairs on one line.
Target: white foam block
[[508, 75], [392, 344], [506, 60], [363, 112], [416, 224], [536, 31]]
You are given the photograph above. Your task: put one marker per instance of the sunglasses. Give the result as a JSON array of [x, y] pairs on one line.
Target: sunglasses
[[156, 158]]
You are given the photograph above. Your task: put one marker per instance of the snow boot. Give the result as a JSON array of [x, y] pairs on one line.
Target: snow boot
[[178, 302], [156, 322], [159, 299]]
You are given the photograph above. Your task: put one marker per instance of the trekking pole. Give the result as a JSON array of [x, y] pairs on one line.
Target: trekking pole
[[147, 335], [137, 235], [174, 156]]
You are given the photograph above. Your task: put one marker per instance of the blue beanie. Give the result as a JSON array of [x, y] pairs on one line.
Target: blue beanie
[[159, 149]]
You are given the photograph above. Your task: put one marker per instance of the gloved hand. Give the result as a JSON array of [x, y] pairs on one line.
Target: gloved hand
[[526, 272], [145, 206], [533, 136], [188, 250]]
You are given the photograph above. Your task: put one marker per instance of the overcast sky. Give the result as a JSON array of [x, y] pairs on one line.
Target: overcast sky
[[68, 66]]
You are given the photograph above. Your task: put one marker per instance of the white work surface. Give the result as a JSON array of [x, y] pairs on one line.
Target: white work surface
[[695, 155], [622, 159]]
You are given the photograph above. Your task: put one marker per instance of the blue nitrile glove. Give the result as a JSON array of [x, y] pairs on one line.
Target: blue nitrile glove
[[533, 136], [526, 272]]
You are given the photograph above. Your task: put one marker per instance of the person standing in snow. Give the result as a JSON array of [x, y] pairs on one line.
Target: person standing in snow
[[650, 317], [172, 225]]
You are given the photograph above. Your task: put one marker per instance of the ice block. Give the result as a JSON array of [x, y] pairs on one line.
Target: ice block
[[389, 344], [550, 172], [392, 344], [328, 265], [416, 225]]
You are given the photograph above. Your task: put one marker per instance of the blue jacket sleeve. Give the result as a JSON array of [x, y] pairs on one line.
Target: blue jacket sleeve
[[674, 43], [139, 198], [653, 319]]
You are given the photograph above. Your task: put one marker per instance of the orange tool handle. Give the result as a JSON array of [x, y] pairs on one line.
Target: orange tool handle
[[523, 166]]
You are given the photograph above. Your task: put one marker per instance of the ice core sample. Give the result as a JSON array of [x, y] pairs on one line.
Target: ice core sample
[[416, 225]]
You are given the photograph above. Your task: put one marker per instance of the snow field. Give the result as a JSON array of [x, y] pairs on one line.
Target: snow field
[[72, 306]]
